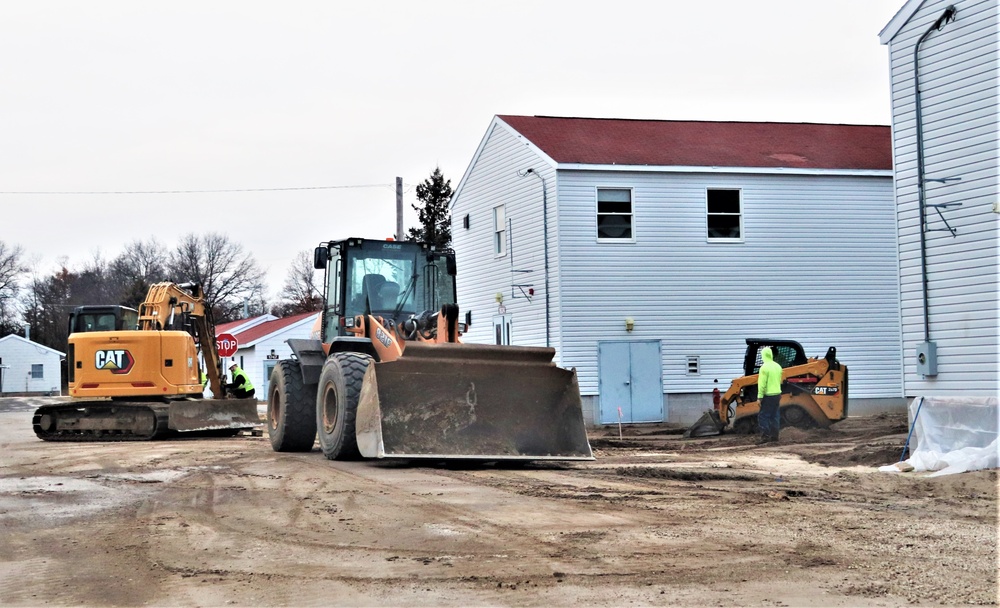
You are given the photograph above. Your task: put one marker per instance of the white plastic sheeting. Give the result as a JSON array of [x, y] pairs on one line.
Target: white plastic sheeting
[[952, 435]]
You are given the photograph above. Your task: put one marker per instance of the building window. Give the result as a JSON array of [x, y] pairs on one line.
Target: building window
[[36, 371], [499, 231], [725, 217], [614, 214], [501, 329]]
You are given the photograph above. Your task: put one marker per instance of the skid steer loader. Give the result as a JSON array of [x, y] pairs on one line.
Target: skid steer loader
[[813, 391], [387, 375]]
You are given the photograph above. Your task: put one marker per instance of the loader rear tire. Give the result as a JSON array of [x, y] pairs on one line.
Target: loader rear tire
[[337, 404], [291, 409]]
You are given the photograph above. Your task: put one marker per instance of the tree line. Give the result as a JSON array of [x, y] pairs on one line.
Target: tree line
[[231, 277]]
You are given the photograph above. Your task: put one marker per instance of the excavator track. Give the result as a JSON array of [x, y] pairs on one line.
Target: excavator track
[[101, 421]]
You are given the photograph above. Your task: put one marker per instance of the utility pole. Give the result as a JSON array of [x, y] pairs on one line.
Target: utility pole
[[399, 208]]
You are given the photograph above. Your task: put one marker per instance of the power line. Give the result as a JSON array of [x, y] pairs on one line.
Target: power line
[[62, 192]]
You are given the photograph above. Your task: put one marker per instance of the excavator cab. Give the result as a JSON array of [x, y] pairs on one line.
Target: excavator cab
[[102, 318]]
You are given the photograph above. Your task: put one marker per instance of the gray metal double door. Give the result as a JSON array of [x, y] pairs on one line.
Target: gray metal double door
[[630, 377]]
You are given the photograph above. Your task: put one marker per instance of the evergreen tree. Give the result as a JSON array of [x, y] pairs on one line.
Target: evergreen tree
[[434, 194]]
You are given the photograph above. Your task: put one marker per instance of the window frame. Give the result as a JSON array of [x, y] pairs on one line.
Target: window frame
[[41, 371], [631, 214], [708, 214], [500, 232]]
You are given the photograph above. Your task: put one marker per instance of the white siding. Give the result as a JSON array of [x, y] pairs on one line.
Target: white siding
[[492, 179], [958, 78], [18, 355], [817, 265]]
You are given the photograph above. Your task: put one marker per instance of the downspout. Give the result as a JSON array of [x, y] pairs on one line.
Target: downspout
[[545, 245], [947, 16]]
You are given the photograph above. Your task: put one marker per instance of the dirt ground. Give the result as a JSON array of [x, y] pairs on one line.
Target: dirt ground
[[654, 520]]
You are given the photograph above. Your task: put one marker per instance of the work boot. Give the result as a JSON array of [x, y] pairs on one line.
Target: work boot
[[763, 439]]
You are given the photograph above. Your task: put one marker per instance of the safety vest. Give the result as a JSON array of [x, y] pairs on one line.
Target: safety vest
[[240, 380]]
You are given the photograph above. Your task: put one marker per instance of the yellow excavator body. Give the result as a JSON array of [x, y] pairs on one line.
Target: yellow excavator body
[[142, 380]]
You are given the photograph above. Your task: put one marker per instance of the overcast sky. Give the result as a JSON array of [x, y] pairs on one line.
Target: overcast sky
[[128, 96]]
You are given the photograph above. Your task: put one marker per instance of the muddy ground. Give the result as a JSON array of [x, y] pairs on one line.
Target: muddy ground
[[654, 520]]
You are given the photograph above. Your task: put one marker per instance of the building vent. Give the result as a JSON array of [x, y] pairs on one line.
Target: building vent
[[693, 366]]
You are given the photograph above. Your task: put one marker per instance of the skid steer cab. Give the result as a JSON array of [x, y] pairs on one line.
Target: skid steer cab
[[813, 391], [388, 376]]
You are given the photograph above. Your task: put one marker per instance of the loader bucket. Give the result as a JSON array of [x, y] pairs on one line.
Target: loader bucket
[[709, 424], [213, 414], [471, 402]]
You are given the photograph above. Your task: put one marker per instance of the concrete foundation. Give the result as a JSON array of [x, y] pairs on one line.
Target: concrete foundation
[[684, 409]]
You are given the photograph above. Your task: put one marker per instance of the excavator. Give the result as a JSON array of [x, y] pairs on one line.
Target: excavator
[[813, 391], [388, 376], [136, 375]]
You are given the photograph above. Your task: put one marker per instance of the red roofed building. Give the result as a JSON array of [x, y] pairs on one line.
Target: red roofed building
[[646, 251], [262, 344]]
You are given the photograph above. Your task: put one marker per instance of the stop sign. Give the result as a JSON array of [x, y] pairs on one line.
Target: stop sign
[[226, 345]]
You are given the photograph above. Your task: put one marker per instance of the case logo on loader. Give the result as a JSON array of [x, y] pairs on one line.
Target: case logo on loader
[[383, 337], [117, 361], [826, 390]]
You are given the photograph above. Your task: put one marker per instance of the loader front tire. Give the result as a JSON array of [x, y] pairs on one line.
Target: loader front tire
[[337, 404], [291, 409]]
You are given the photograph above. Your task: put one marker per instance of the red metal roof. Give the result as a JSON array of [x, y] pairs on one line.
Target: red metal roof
[[614, 141], [226, 327], [257, 332]]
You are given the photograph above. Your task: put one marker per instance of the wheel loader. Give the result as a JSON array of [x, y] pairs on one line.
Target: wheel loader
[[388, 376], [137, 375], [813, 391]]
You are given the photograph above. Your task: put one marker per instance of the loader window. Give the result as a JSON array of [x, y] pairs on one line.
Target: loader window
[[614, 214], [725, 218]]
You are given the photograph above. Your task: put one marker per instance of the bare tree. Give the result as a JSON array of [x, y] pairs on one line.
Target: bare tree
[[300, 292], [12, 271], [228, 274], [140, 265]]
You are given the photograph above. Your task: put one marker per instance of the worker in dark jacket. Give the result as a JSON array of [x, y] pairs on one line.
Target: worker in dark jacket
[[240, 387], [769, 393]]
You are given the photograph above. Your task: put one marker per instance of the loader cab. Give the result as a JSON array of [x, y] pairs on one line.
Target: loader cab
[[390, 279], [103, 318]]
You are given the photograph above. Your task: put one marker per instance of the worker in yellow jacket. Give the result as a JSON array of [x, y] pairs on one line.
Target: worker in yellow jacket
[[769, 394], [240, 387]]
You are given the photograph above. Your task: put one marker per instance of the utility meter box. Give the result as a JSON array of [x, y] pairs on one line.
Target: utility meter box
[[927, 358]]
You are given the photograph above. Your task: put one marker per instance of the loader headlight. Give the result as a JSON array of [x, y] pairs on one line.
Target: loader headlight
[[462, 328], [349, 322]]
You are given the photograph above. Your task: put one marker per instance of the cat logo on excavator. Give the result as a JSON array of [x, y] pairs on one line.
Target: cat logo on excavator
[[117, 361]]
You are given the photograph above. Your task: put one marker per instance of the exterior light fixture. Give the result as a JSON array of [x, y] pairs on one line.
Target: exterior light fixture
[[629, 323]]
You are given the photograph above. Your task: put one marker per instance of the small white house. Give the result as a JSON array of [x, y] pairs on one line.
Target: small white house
[[943, 58], [646, 251], [262, 344], [27, 367]]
